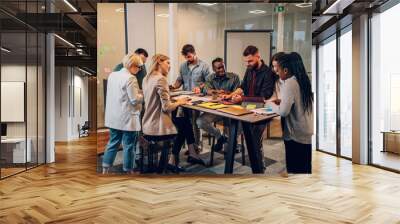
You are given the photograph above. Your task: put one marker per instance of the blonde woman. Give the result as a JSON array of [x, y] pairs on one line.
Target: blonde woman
[[122, 114], [157, 122]]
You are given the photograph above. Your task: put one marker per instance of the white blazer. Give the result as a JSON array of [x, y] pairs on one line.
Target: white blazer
[[123, 101]]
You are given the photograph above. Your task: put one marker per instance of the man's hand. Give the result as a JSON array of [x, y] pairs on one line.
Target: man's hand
[[220, 92], [236, 99], [226, 96], [196, 90]]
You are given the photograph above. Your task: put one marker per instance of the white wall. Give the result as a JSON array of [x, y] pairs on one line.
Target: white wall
[[71, 87], [33, 126], [141, 29]]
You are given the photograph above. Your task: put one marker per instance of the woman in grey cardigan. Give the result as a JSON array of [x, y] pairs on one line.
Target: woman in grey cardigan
[[157, 122], [122, 115], [296, 106]]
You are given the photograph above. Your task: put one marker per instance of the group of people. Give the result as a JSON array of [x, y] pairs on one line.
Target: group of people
[[284, 85]]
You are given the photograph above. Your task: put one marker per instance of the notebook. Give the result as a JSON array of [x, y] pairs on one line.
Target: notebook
[[213, 106], [235, 110]]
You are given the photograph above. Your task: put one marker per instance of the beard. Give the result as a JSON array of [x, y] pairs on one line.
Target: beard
[[256, 65]]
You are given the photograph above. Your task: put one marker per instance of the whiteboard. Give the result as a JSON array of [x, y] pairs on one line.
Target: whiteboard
[[12, 101]]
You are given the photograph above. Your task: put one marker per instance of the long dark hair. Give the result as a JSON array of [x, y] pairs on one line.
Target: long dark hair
[[294, 63]]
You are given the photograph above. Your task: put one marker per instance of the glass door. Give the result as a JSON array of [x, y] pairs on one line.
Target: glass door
[[326, 96], [345, 42]]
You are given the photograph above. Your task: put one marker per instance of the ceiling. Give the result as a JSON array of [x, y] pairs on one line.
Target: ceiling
[[332, 15]]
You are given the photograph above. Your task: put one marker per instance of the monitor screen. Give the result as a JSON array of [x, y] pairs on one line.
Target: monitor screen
[[3, 129]]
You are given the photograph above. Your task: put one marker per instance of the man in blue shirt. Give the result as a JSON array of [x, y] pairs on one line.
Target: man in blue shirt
[[193, 72], [192, 76]]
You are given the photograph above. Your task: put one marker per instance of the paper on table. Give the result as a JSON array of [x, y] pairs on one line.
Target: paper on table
[[182, 96], [180, 92], [200, 98], [265, 111], [251, 106]]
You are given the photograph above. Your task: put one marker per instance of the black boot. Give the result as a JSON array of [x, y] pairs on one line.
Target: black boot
[[220, 143]]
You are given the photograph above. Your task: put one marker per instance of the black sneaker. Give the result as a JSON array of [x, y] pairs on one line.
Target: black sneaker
[[220, 143], [195, 161], [175, 169]]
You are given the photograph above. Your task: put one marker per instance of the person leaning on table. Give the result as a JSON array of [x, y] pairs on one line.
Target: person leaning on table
[[192, 76], [258, 84], [157, 122], [296, 106], [122, 113]]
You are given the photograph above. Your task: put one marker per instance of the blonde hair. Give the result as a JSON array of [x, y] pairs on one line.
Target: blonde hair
[[156, 61], [132, 59]]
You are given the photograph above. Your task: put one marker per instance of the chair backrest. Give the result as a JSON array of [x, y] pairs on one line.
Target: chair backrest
[[86, 125]]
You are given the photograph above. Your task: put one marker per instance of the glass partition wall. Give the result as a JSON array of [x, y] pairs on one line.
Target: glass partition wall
[[385, 90], [22, 77], [334, 94]]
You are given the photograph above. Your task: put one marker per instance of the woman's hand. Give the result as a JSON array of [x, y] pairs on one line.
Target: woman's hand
[[277, 101], [183, 101]]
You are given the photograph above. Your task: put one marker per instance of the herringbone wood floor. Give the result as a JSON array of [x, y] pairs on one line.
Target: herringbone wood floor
[[70, 191]]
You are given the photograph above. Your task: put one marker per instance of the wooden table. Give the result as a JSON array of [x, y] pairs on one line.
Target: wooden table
[[247, 120]]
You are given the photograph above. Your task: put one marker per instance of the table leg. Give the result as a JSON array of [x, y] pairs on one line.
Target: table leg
[[232, 143]]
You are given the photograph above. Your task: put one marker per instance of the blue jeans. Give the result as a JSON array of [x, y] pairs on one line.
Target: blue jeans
[[129, 139]]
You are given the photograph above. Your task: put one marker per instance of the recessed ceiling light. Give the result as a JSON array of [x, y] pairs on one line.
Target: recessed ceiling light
[[207, 4], [70, 5], [5, 50], [257, 11], [304, 5], [163, 15]]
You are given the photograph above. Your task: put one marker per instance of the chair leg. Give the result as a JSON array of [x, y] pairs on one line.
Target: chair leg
[[211, 157], [149, 159], [141, 159], [212, 152], [242, 149]]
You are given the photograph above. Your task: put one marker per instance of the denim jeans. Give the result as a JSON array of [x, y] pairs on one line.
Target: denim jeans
[[206, 123], [128, 139]]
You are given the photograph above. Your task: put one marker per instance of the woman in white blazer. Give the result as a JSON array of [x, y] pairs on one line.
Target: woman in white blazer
[[122, 115]]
